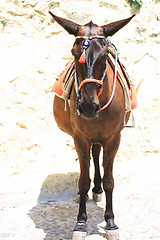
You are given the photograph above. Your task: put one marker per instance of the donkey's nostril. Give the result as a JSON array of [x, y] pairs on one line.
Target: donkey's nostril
[[97, 107]]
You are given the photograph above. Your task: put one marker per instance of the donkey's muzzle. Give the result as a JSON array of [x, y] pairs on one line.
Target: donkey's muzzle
[[89, 109]]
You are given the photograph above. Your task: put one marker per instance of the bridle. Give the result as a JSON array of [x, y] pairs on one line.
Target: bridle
[[78, 87]]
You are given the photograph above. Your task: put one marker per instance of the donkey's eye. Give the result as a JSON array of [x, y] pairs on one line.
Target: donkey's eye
[[76, 52], [78, 41], [103, 42]]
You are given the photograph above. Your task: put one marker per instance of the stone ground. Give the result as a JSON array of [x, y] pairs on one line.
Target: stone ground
[[34, 153]]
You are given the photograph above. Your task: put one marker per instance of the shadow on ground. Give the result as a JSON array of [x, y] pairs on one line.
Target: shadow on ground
[[59, 186], [57, 218]]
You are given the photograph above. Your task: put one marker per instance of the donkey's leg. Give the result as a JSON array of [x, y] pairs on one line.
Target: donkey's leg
[[110, 150], [97, 190], [83, 149]]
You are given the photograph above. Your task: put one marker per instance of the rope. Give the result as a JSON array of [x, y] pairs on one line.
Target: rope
[[114, 85]]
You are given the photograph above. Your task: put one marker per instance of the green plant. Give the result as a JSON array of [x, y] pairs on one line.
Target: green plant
[[4, 22], [137, 4]]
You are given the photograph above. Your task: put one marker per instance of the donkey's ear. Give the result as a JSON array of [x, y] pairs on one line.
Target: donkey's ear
[[69, 26], [114, 27]]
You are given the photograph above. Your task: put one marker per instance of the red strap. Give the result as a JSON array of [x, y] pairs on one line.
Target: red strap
[[91, 81], [133, 97]]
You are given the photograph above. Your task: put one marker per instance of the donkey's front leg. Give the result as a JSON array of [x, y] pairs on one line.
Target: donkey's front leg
[[110, 150], [83, 149], [97, 190]]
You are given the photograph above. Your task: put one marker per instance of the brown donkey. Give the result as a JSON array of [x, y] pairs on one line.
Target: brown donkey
[[91, 125]]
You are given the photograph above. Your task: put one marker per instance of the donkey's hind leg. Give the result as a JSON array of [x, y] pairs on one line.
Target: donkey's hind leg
[[97, 190]]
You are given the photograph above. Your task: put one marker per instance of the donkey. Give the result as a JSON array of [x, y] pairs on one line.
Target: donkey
[[92, 126]]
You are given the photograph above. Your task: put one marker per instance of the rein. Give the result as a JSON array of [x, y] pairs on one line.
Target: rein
[[114, 85], [78, 87]]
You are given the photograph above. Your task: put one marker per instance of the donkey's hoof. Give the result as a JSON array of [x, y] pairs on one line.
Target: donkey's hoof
[[112, 234], [80, 232], [110, 225], [112, 230], [77, 235], [77, 199], [97, 197]]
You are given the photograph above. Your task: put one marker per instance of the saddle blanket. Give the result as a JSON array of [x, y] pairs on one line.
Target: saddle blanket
[[64, 82]]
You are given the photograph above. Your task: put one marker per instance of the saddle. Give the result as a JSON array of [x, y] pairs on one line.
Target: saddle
[[64, 82]]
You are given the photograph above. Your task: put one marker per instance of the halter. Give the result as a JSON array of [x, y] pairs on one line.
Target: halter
[[85, 44]]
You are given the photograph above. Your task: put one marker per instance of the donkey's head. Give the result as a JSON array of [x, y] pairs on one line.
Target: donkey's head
[[90, 50]]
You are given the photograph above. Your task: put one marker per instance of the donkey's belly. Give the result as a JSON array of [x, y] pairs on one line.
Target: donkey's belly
[[61, 116]]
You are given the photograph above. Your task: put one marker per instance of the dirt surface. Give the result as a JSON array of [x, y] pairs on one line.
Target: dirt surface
[[33, 151]]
